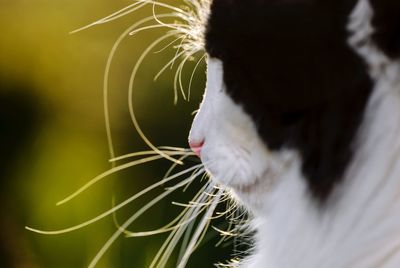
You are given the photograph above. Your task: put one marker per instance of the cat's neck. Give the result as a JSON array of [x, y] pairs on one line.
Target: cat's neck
[[360, 225]]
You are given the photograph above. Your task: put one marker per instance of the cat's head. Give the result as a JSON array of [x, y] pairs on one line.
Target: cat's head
[[288, 85]]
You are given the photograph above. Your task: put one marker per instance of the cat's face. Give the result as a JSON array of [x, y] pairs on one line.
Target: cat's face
[[286, 92], [232, 150]]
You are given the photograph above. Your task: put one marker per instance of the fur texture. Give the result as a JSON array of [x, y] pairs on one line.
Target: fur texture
[[301, 120], [288, 64]]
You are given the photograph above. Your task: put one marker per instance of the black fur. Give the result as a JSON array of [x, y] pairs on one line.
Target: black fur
[[386, 23], [290, 66]]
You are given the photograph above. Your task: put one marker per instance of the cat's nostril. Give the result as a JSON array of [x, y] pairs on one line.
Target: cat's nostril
[[196, 147]]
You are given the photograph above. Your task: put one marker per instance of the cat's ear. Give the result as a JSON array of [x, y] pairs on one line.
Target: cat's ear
[[386, 23]]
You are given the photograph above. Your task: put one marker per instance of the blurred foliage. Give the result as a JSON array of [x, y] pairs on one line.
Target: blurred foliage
[[53, 136]]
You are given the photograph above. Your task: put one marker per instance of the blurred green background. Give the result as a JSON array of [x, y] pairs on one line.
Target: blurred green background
[[53, 139]]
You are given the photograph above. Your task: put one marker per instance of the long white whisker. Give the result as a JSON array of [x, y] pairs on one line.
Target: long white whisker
[[130, 96], [166, 249], [178, 78], [108, 173], [171, 148], [125, 225], [155, 26], [179, 74], [179, 10], [200, 228], [173, 243], [179, 27], [168, 227], [186, 237], [193, 72], [173, 166], [135, 154], [107, 75], [165, 229], [122, 204], [167, 65], [168, 45], [228, 212], [188, 28], [120, 13], [195, 173], [202, 235], [179, 47], [171, 226]]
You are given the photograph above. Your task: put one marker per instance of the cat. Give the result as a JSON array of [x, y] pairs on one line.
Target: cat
[[301, 122]]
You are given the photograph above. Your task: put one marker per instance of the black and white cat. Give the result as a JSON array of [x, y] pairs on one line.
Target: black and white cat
[[301, 120]]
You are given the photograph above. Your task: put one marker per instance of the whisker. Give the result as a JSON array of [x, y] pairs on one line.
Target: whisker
[[169, 244], [179, 10], [194, 203], [193, 72], [188, 185], [179, 47], [228, 212], [173, 166], [167, 65], [135, 154], [189, 31], [201, 237], [186, 237], [155, 26], [130, 97], [178, 75], [110, 211], [112, 239], [200, 228], [107, 75], [167, 228], [176, 149], [108, 173], [184, 16], [120, 13], [173, 243], [223, 233], [169, 45], [196, 173], [179, 27]]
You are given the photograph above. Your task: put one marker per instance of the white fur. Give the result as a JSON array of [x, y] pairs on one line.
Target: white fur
[[360, 26], [360, 227], [233, 153]]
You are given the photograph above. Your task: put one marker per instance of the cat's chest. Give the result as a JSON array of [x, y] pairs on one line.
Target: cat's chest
[[291, 233]]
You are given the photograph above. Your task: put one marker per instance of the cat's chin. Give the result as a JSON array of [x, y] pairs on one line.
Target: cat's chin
[[256, 186], [249, 182], [251, 195], [246, 188], [249, 199]]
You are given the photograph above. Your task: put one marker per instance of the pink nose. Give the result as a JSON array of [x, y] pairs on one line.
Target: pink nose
[[196, 147]]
